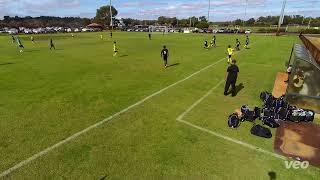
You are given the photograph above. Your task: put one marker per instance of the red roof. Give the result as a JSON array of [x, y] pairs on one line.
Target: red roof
[[94, 25]]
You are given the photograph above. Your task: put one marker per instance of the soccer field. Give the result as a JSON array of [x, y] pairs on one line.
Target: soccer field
[[80, 113]]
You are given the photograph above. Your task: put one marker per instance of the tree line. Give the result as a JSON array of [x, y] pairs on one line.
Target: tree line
[[103, 17]]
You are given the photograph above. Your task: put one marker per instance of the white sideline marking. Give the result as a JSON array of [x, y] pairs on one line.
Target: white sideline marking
[[199, 101], [47, 150], [233, 140], [179, 119]]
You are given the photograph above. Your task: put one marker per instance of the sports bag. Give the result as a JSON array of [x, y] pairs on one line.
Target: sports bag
[[269, 121], [247, 115], [261, 131], [233, 121]]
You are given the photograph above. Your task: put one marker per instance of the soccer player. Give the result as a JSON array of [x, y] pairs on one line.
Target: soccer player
[[238, 44], [111, 34], [52, 45], [101, 36], [231, 78], [32, 39], [115, 49], [230, 52], [213, 42], [13, 39], [206, 44], [21, 47], [165, 55], [72, 35], [149, 36], [247, 42]]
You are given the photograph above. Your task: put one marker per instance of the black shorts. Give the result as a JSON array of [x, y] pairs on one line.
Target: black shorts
[[115, 51], [165, 58], [229, 56], [21, 46]]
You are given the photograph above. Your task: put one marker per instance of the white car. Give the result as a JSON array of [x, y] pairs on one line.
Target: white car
[[248, 31], [13, 31]]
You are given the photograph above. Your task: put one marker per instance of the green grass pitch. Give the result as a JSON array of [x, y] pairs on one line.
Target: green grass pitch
[[47, 96]]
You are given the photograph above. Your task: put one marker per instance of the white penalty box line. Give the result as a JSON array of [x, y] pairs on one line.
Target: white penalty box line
[[180, 119]]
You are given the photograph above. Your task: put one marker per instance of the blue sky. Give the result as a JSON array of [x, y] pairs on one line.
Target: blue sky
[[150, 9]]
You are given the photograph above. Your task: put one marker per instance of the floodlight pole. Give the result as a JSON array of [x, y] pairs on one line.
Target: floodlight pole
[[111, 20], [281, 18], [245, 12], [209, 11], [309, 23]]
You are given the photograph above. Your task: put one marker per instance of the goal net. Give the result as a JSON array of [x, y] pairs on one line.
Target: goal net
[[158, 29]]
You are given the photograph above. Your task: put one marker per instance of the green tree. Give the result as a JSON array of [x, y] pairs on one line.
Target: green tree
[[250, 22], [103, 15]]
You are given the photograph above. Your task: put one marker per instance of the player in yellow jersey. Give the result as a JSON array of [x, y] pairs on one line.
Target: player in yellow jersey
[[230, 53], [115, 49], [101, 36]]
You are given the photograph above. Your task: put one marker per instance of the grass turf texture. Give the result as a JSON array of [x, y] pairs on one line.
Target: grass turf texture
[[47, 96]]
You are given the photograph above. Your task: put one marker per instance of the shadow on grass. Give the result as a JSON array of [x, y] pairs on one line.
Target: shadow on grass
[[239, 87], [4, 64], [104, 177], [28, 51], [172, 65], [272, 175], [125, 55]]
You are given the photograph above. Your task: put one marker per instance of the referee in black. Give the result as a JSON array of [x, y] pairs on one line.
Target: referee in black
[[165, 55], [231, 78]]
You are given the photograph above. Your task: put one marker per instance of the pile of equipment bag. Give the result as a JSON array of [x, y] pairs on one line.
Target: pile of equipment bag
[[272, 112]]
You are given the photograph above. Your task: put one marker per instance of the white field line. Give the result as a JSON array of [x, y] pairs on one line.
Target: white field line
[[180, 119], [199, 101], [74, 136], [234, 140]]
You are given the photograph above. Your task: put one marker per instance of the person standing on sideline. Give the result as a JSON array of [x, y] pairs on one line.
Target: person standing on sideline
[[231, 78], [165, 55]]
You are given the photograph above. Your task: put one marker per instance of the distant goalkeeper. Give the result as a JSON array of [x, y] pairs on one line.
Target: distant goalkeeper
[[20, 45]]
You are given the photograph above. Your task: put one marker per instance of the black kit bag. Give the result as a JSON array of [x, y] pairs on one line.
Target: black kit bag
[[284, 113], [257, 113], [233, 121], [301, 115], [268, 99], [261, 131], [269, 121], [247, 115]]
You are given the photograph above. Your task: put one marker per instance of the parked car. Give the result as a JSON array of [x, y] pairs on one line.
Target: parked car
[[248, 31], [27, 31], [221, 30], [13, 31]]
